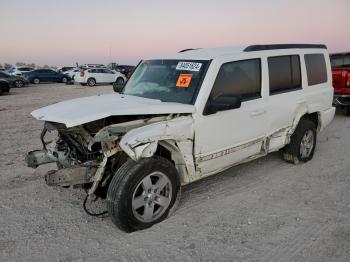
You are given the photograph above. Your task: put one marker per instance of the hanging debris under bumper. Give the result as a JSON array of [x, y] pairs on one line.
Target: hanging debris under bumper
[[71, 176]]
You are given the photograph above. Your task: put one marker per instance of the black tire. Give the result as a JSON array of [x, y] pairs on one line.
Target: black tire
[[64, 79], [36, 80], [91, 82], [292, 152], [348, 111], [125, 184], [120, 80], [19, 83]]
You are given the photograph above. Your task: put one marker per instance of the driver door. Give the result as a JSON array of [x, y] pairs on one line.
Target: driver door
[[229, 136]]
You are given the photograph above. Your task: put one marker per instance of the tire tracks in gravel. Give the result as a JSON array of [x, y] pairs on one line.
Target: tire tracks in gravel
[[301, 241]]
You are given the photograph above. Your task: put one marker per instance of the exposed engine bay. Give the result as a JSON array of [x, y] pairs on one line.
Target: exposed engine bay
[[89, 154]]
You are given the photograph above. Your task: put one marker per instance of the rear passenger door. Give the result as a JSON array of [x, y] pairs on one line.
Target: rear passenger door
[[95, 73], [285, 96], [109, 76]]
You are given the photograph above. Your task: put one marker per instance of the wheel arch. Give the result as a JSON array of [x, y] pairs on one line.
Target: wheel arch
[[91, 77], [172, 139], [313, 116]]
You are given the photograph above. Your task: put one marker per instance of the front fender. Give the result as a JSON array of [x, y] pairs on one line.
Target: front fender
[[143, 141]]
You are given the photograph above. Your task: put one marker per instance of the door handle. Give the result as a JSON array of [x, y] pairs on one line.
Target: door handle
[[258, 112]]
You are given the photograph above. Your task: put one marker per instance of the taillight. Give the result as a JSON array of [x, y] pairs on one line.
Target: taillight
[[82, 73], [348, 80]]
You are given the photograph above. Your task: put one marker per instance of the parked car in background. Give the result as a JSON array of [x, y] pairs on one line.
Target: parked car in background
[[71, 73], [5, 86], [45, 75], [125, 70], [19, 70], [93, 66], [341, 80], [95, 76], [183, 117], [65, 69], [14, 80]]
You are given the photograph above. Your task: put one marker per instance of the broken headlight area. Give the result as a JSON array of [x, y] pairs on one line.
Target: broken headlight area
[[77, 158]]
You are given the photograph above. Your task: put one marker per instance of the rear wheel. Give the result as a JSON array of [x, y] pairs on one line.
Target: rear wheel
[[91, 82], [142, 193], [36, 80], [302, 143], [64, 79]]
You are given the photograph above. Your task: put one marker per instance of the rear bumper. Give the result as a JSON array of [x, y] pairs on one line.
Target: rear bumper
[[327, 117], [341, 100]]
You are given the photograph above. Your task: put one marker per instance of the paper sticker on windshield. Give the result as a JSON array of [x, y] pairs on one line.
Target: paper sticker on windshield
[[189, 66], [184, 80]]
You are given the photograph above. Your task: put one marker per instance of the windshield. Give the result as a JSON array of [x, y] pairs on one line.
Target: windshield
[[167, 80]]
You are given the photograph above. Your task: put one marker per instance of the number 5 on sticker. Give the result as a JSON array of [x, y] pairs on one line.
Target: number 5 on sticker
[[184, 80]]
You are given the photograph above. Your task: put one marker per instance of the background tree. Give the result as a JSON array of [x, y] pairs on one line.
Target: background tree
[[31, 65], [20, 64], [6, 65], [46, 67], [1, 65]]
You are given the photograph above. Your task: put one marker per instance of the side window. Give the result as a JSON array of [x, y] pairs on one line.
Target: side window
[[240, 78], [316, 69], [347, 61], [340, 60], [106, 71], [337, 61], [284, 73]]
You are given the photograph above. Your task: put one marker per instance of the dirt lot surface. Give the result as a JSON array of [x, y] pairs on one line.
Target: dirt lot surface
[[266, 210]]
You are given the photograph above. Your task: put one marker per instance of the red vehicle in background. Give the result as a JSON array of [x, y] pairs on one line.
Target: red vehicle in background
[[341, 80]]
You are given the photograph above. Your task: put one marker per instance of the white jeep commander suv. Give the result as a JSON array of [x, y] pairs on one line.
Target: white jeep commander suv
[[186, 116]]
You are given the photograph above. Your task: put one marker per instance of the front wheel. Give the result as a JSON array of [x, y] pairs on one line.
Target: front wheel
[[64, 80], [36, 81], [142, 193], [302, 143]]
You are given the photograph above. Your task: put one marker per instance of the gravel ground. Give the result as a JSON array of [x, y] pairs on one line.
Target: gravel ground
[[265, 210]]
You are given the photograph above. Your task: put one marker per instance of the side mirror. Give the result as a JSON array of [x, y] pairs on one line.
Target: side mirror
[[222, 103], [118, 87]]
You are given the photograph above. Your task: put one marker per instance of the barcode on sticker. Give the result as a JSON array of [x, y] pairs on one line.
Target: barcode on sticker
[[189, 66]]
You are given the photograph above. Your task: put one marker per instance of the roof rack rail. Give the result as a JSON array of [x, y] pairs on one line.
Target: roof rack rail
[[252, 48], [188, 49]]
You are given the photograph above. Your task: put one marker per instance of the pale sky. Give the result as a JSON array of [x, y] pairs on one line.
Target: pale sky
[[62, 32]]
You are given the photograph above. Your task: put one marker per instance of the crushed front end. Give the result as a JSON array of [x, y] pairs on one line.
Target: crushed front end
[[80, 157]]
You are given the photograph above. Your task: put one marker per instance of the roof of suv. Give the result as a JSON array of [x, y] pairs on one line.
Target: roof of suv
[[210, 53]]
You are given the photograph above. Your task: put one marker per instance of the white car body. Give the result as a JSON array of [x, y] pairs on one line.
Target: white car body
[[100, 75], [20, 70], [202, 144], [72, 72]]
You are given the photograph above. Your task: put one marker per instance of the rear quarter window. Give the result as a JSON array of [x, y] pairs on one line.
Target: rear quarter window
[[316, 69]]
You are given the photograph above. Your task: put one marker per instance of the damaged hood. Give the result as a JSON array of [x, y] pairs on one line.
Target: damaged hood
[[87, 109]]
